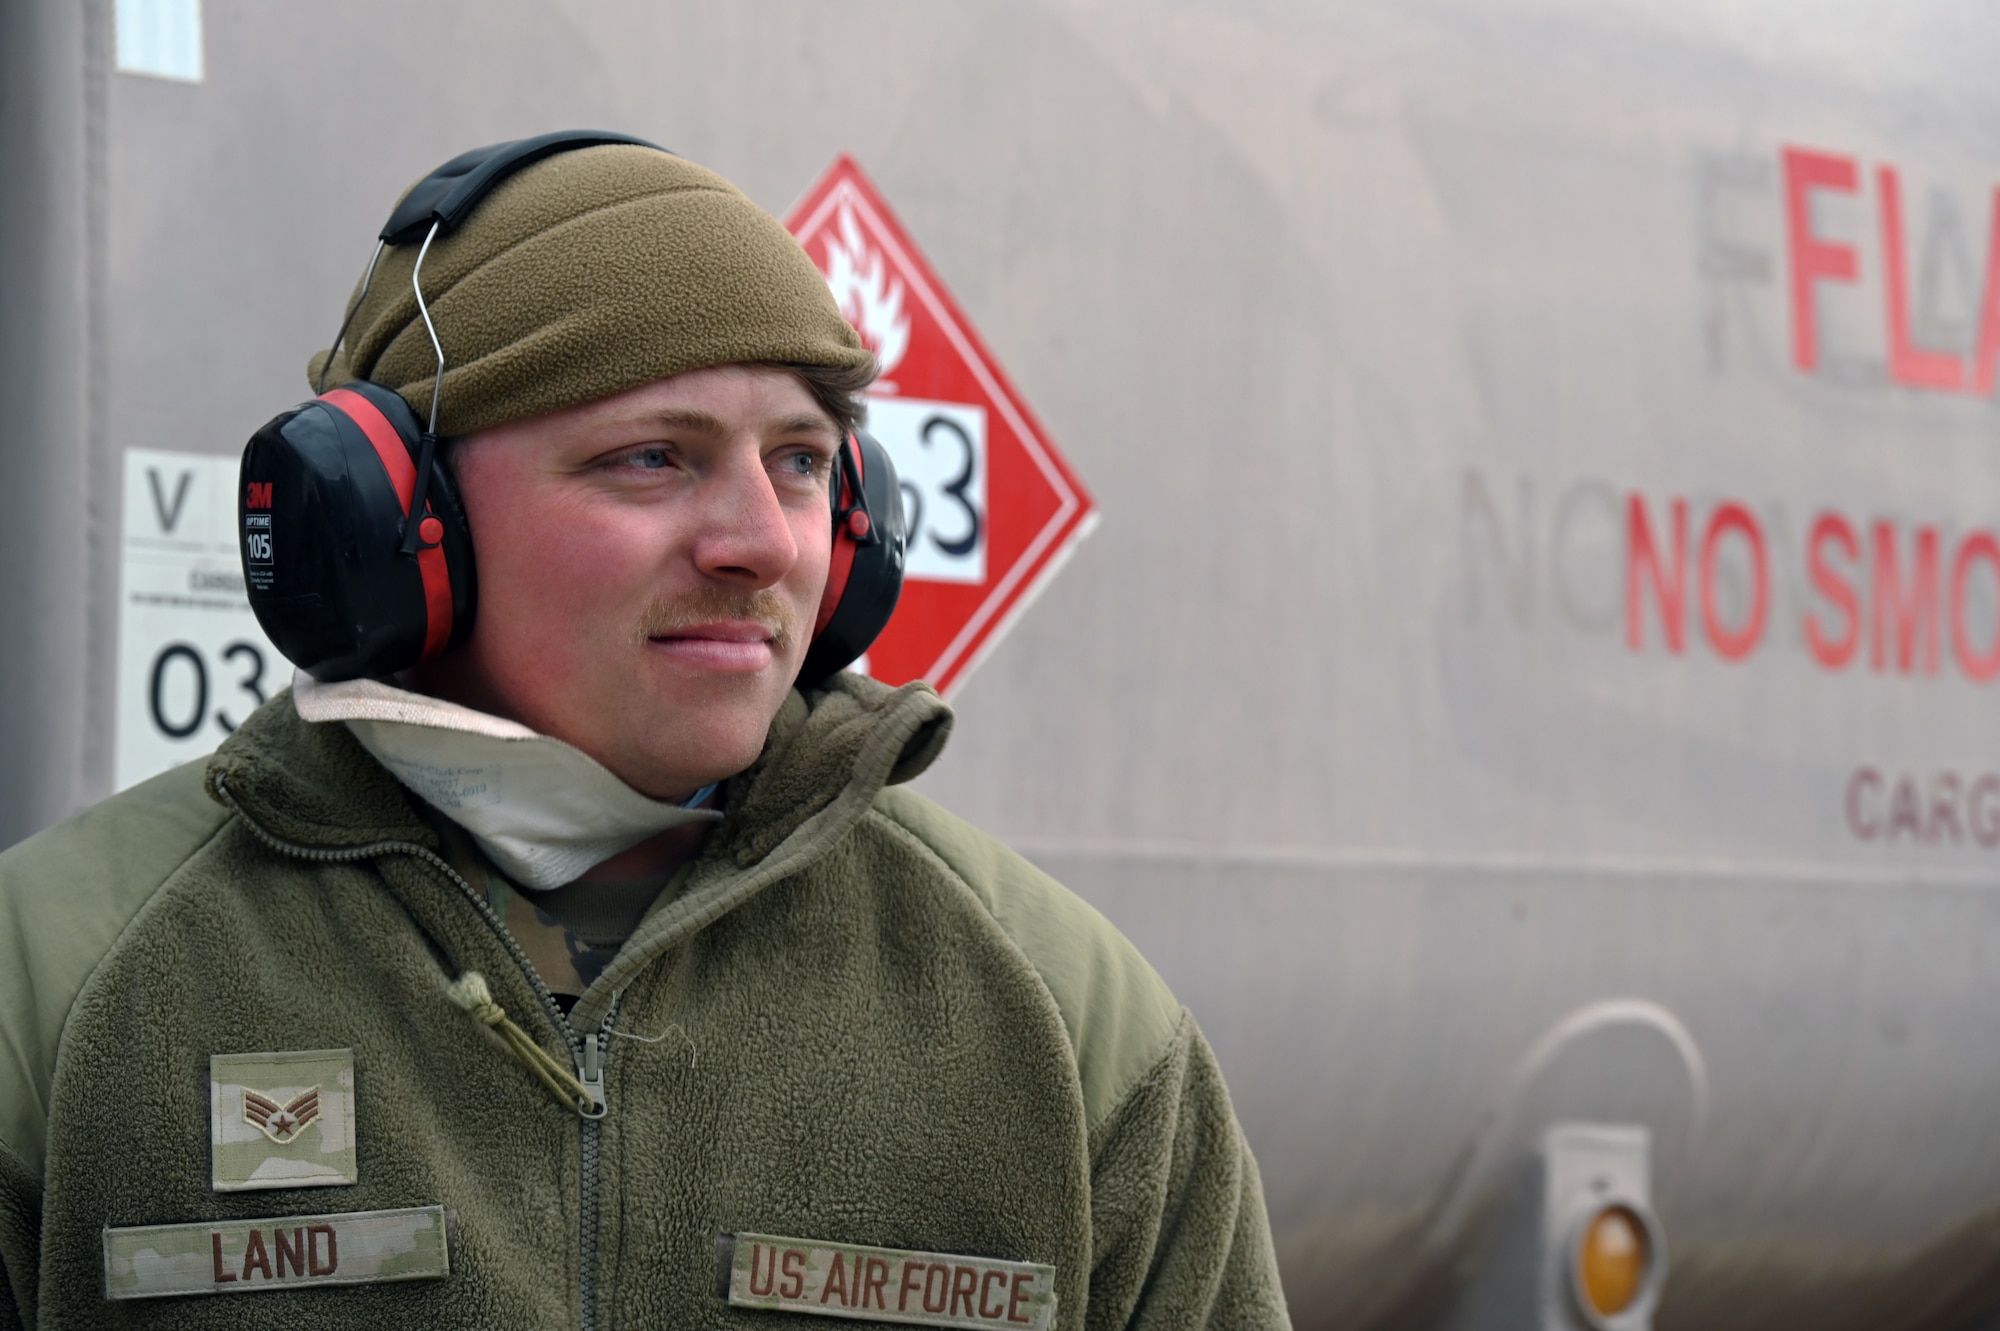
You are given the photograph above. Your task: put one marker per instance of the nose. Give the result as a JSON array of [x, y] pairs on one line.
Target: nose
[[742, 534]]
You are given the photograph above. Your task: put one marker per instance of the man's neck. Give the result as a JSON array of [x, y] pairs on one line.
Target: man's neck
[[451, 680]]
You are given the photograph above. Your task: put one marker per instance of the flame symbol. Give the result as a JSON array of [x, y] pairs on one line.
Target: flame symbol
[[869, 298]]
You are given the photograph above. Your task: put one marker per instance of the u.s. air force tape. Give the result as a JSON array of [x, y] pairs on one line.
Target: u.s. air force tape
[[885, 1284], [284, 1252]]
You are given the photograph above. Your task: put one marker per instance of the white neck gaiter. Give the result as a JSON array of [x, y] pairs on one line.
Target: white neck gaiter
[[544, 811]]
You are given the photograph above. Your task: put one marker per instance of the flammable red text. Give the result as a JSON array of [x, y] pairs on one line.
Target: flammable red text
[[1817, 259]]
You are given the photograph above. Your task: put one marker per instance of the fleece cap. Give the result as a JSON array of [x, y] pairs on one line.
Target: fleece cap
[[583, 275]]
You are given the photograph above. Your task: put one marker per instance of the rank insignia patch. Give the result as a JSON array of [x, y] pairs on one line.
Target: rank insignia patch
[[279, 1122], [283, 1120]]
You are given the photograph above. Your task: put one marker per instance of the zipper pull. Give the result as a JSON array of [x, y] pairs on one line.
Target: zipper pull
[[590, 1071]]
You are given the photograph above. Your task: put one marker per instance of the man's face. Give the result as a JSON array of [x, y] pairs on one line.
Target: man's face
[[650, 565]]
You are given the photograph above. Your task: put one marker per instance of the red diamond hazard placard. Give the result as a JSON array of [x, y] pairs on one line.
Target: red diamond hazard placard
[[991, 507]]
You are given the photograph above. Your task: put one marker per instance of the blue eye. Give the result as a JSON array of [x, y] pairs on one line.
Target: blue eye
[[650, 458]]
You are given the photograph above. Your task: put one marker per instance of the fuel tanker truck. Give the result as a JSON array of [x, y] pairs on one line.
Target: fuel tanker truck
[[1470, 529]]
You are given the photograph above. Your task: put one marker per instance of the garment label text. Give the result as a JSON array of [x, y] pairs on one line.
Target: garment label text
[[282, 1252], [888, 1284]]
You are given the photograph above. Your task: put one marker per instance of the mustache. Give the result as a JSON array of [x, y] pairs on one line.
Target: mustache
[[671, 614]]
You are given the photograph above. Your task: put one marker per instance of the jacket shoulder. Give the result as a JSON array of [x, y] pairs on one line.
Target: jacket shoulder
[[65, 897], [1119, 1013]]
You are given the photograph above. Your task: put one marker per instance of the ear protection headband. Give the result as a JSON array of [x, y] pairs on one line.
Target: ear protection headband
[[356, 551]]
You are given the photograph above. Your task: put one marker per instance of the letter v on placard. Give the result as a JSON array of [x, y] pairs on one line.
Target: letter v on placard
[[169, 514]]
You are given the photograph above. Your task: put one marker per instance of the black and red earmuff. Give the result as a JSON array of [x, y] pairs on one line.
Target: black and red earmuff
[[356, 551], [325, 505], [865, 578]]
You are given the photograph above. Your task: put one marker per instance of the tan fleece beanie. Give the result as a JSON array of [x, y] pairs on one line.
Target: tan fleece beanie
[[588, 273]]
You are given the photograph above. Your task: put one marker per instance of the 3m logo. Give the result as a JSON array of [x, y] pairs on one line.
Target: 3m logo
[[259, 494]]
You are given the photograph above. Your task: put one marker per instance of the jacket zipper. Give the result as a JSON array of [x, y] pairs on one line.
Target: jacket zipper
[[593, 1056], [591, 1052]]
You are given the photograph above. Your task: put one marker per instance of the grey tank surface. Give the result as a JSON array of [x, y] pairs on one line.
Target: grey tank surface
[[1536, 661]]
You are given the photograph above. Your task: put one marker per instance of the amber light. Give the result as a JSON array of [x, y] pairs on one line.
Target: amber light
[[1611, 1261]]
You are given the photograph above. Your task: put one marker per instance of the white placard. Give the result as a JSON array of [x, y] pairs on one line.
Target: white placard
[[159, 37], [192, 662], [939, 449]]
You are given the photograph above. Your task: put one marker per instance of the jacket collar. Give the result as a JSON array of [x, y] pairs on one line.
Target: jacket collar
[[829, 752], [311, 785]]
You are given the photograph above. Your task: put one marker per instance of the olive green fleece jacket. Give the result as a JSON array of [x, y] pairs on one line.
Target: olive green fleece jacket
[[898, 1034]]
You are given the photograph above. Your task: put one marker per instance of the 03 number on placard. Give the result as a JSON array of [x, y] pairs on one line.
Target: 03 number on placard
[[178, 687]]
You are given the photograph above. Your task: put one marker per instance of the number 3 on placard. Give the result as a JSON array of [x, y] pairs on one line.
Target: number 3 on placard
[[189, 660], [959, 546]]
